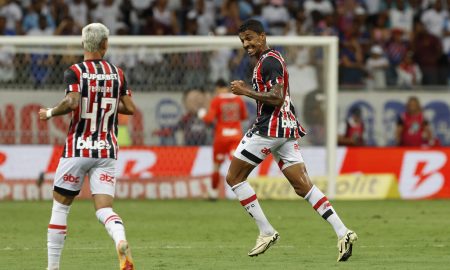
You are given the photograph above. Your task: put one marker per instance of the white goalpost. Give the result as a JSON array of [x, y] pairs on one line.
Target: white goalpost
[[205, 43]]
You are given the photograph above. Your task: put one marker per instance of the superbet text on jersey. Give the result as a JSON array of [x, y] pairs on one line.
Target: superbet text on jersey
[[93, 128]]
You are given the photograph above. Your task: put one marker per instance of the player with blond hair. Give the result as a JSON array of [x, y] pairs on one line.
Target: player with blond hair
[[96, 91]]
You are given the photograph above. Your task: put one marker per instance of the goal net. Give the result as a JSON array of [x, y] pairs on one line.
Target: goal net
[[162, 71]]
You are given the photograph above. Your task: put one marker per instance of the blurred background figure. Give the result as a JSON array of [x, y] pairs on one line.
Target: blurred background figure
[[351, 133], [376, 66], [194, 130], [412, 127], [226, 111], [408, 72]]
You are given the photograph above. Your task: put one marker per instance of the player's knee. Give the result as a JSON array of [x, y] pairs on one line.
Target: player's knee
[[301, 191], [229, 179], [233, 179]]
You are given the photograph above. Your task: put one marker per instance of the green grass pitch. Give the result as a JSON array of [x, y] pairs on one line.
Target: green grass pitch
[[205, 235]]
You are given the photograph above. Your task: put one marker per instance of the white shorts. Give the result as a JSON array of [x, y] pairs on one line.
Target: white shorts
[[70, 174], [254, 148]]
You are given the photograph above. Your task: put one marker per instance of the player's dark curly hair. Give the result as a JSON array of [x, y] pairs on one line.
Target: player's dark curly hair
[[252, 25]]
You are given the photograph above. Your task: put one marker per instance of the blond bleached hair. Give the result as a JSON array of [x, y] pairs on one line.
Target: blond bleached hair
[[92, 36]]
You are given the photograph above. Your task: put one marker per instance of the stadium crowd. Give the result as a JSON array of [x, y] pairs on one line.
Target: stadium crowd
[[400, 43]]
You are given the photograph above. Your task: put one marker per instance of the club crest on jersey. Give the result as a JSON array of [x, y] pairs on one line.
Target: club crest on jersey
[[92, 145], [286, 123]]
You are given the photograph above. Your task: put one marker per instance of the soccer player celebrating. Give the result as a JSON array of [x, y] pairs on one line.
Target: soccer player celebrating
[[275, 131], [228, 110], [96, 92]]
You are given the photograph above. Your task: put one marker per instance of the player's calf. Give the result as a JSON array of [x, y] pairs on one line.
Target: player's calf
[[56, 234]]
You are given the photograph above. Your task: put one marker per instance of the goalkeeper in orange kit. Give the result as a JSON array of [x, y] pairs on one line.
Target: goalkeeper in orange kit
[[227, 111]]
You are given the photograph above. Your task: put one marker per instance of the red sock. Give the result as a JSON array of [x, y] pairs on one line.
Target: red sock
[[215, 180]]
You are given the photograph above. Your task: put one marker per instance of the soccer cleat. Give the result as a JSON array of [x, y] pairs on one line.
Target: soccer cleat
[[263, 243], [345, 245], [125, 260]]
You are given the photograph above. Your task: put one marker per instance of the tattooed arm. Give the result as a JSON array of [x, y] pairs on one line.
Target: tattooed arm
[[272, 73], [273, 97]]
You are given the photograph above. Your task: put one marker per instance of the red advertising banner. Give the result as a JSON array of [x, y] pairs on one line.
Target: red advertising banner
[[421, 173], [183, 172]]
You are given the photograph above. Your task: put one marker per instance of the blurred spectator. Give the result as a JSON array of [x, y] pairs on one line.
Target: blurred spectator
[[314, 117], [41, 61], [245, 9], [31, 19], [13, 15], [151, 60], [428, 53], [412, 127], [351, 63], [257, 15], [204, 16], [380, 32], [79, 11], [165, 18], [416, 7], [346, 10], [322, 6], [219, 66], [125, 56], [3, 30], [68, 27], [401, 17], [376, 66], [229, 16], [59, 11], [396, 50], [297, 25], [107, 12], [7, 67], [7, 55], [194, 129], [129, 15], [374, 7], [141, 4], [434, 19], [277, 15], [446, 41], [351, 133], [408, 72], [303, 76]]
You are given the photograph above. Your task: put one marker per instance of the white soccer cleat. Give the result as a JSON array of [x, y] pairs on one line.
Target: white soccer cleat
[[124, 253], [263, 243], [345, 245]]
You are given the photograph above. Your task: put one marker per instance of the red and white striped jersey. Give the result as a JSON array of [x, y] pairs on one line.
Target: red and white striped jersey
[[272, 121], [93, 128]]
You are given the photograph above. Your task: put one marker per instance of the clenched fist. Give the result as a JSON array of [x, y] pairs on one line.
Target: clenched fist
[[239, 88]]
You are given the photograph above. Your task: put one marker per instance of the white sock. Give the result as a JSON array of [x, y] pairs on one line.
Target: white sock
[[113, 224], [247, 197], [56, 235], [321, 204]]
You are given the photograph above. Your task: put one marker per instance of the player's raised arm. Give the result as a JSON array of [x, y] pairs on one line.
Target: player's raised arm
[[273, 97], [69, 103]]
